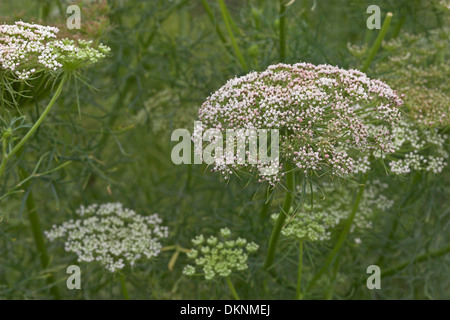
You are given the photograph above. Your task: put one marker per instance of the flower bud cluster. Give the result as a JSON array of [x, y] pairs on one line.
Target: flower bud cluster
[[219, 257]]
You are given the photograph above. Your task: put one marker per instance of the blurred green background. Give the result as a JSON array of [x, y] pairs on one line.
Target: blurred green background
[[167, 57]]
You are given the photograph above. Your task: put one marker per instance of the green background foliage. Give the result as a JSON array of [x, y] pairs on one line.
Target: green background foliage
[[167, 57]]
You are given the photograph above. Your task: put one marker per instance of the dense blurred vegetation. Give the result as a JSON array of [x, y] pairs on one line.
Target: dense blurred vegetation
[[167, 57]]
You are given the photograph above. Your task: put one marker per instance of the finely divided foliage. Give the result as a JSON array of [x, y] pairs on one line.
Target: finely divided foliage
[[361, 159]]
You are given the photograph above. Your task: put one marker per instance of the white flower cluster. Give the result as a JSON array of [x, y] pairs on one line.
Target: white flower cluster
[[328, 118], [111, 235], [329, 212], [26, 49], [425, 149], [76, 54], [219, 257]]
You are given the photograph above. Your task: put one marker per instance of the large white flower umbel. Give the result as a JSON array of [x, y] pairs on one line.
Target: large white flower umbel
[[330, 119]]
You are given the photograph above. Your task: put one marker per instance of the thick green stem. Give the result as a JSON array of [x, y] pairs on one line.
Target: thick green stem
[[210, 14], [282, 31], [33, 129], [298, 294], [234, 44], [265, 208], [399, 26], [124, 287], [342, 236], [329, 294], [4, 155], [290, 181], [377, 44], [233, 290], [44, 10], [33, 217]]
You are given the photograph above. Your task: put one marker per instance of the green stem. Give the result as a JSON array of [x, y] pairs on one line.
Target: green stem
[[44, 10], [420, 258], [329, 294], [210, 14], [267, 204], [33, 129], [233, 290], [290, 180], [238, 53], [4, 155], [377, 44], [399, 26], [342, 236], [232, 23], [124, 287], [33, 217], [282, 31], [298, 294]]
